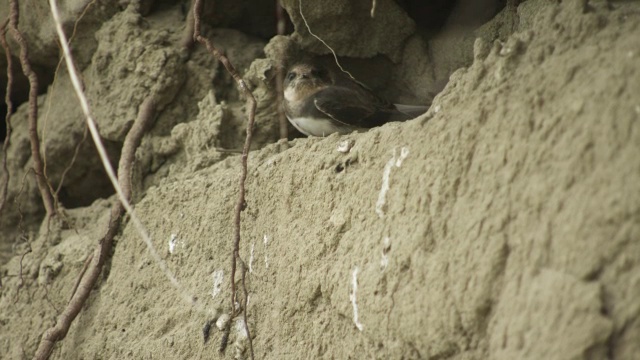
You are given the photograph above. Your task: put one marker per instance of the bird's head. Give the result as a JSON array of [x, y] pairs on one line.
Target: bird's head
[[305, 79]]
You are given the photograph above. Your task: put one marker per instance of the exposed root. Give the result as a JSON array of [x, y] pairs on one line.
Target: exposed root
[[4, 179], [86, 283], [47, 198], [241, 204], [122, 185], [245, 305], [60, 329], [335, 57]]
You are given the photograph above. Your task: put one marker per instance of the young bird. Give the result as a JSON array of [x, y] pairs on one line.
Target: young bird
[[319, 103]]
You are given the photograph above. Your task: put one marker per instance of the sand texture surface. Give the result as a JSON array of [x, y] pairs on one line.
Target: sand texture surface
[[502, 224]]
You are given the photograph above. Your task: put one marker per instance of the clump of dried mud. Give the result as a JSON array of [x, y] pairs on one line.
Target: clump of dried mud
[[502, 224]]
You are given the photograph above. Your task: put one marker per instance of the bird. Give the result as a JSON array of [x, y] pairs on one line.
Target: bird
[[318, 102]]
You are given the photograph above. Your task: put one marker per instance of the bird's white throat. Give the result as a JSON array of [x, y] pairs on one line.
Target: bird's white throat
[[290, 94]]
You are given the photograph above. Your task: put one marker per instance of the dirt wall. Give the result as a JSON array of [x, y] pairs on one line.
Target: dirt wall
[[502, 224]]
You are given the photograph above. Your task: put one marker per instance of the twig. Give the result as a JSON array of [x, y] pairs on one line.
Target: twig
[[4, 182], [335, 57], [47, 199], [241, 204], [282, 118], [374, 3]]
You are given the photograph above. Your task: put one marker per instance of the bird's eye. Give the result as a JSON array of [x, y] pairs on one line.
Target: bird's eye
[[291, 76]]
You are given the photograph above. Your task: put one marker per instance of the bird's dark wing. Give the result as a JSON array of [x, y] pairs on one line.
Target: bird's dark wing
[[350, 107]]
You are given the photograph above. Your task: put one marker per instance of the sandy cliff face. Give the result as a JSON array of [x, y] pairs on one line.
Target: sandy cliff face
[[502, 224]]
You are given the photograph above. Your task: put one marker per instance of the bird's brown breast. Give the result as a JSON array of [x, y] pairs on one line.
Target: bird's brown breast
[[297, 96]]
